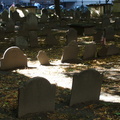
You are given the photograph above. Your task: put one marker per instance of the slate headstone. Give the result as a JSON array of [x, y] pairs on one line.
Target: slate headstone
[[13, 58], [86, 86], [37, 96]]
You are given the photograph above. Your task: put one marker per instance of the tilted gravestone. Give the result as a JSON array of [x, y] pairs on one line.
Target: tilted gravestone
[[71, 35], [43, 58], [86, 86], [90, 51], [38, 95], [13, 58], [70, 53]]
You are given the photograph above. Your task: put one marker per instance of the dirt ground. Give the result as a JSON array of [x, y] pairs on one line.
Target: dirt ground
[[61, 74]]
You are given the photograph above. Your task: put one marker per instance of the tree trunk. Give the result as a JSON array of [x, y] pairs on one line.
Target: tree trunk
[[57, 7]]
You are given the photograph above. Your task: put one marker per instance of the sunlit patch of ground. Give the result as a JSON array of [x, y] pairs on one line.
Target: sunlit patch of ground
[[56, 73]]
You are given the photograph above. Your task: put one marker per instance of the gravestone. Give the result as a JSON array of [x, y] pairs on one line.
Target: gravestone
[[21, 42], [70, 53], [43, 58], [105, 21], [33, 38], [4, 15], [97, 36], [117, 24], [71, 35], [86, 86], [89, 31], [15, 16], [38, 95], [50, 39], [90, 51], [102, 52], [31, 22], [113, 50], [109, 33], [10, 26], [13, 58], [44, 18]]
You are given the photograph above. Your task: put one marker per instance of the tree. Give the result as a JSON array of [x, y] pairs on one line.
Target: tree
[[57, 7], [107, 1]]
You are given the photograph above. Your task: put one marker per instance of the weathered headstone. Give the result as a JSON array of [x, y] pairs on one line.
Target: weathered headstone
[[50, 39], [86, 86], [102, 52], [4, 16], [15, 16], [89, 31], [71, 35], [38, 95], [98, 36], [43, 58], [90, 51], [13, 58], [109, 33], [31, 22], [105, 21], [113, 50], [70, 53], [33, 38], [10, 26], [117, 24], [22, 42]]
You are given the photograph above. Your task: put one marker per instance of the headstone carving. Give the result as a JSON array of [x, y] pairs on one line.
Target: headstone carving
[[43, 58], [13, 58], [38, 95], [86, 86]]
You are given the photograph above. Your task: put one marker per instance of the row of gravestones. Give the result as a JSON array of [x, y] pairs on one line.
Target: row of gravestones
[[38, 95], [13, 57], [71, 52]]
